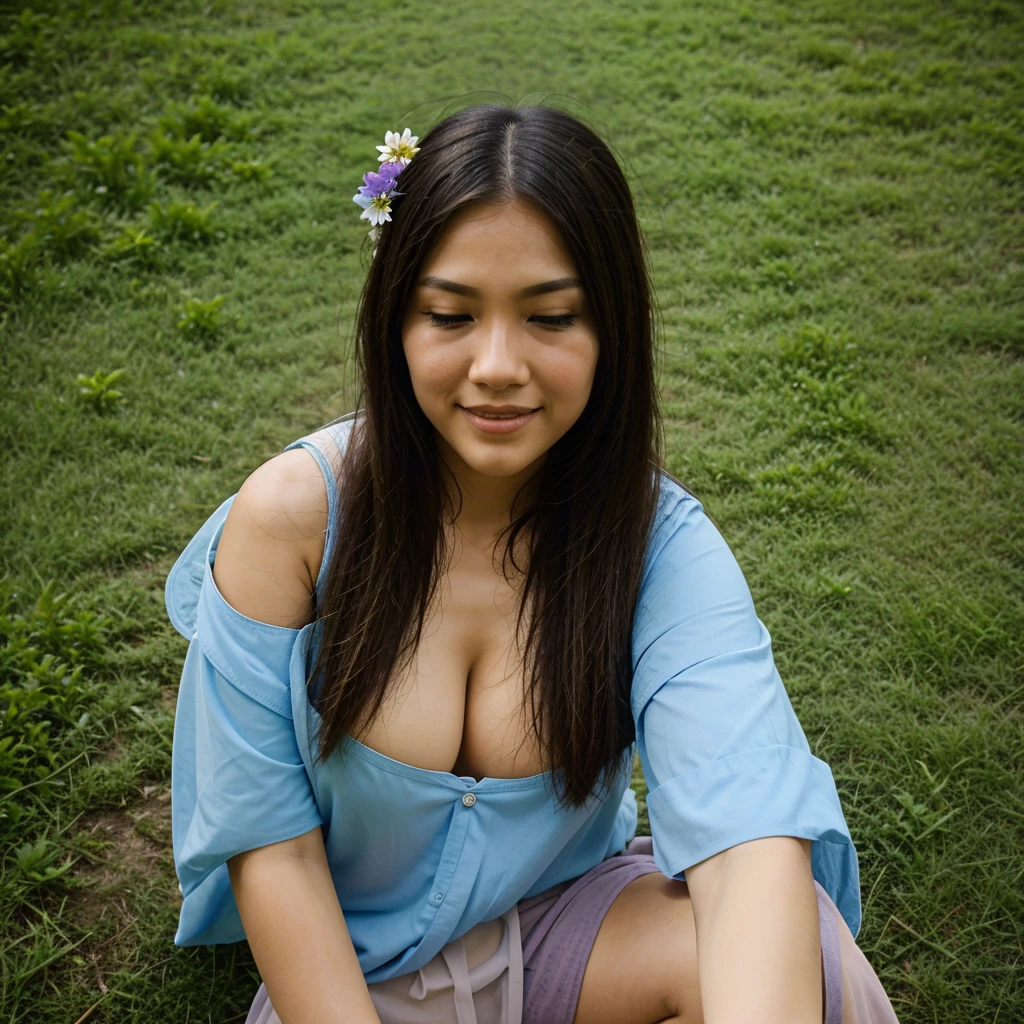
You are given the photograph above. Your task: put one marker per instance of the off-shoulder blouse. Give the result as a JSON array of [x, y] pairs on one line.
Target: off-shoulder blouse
[[418, 857]]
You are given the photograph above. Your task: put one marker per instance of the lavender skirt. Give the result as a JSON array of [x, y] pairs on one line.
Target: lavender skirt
[[527, 966]]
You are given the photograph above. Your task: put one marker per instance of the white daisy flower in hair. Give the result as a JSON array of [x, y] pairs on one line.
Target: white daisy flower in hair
[[377, 210], [398, 148]]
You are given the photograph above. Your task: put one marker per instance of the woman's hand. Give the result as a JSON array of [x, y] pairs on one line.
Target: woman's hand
[[758, 946]]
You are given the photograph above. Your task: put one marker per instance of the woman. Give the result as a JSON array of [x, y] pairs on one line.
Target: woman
[[428, 640]]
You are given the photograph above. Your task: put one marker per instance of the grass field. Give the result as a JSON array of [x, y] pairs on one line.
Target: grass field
[[832, 192]]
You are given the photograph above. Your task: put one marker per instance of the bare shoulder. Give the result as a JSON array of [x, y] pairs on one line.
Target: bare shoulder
[[272, 543], [286, 497]]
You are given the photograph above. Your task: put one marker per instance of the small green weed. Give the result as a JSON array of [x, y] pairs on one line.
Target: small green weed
[[18, 266], [98, 391], [207, 120], [199, 320], [36, 861], [826, 412], [824, 56], [224, 83], [43, 696], [819, 354], [782, 275], [58, 625], [827, 590], [29, 41], [183, 222], [61, 227], [111, 169], [194, 162], [920, 818], [821, 488], [250, 170], [58, 230], [25, 119], [135, 246], [822, 371], [189, 161]]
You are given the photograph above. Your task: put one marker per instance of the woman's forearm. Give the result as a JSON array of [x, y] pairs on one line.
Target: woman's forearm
[[758, 946], [297, 933]]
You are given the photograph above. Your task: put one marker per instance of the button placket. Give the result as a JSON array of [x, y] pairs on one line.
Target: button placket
[[440, 898], [468, 800]]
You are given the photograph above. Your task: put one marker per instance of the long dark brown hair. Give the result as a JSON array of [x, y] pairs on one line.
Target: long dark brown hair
[[595, 495]]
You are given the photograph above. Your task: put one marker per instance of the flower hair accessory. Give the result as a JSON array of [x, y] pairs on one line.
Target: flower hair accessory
[[378, 188]]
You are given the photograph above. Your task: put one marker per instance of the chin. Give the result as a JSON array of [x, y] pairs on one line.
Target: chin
[[500, 464], [497, 459]]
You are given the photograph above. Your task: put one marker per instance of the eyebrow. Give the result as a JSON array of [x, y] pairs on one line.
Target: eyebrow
[[543, 288]]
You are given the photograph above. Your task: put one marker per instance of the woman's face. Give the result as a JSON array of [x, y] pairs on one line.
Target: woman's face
[[498, 318]]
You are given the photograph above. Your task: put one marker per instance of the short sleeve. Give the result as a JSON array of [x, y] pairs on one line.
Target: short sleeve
[[723, 754], [238, 780]]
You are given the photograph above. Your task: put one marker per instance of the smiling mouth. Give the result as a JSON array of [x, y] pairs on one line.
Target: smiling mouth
[[498, 423]]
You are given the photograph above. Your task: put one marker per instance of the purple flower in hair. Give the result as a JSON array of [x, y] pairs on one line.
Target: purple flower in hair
[[376, 183]]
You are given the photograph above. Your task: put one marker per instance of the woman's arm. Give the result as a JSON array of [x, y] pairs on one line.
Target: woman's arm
[[266, 566], [758, 945], [734, 795], [297, 933]]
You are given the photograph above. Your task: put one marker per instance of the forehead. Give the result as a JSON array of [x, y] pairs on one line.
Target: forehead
[[513, 236]]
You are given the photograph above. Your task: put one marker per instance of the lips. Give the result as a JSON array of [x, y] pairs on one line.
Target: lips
[[498, 424], [494, 412]]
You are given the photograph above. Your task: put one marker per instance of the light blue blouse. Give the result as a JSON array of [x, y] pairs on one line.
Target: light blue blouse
[[419, 857]]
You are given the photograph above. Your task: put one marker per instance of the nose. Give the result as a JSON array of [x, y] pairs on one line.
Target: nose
[[499, 355]]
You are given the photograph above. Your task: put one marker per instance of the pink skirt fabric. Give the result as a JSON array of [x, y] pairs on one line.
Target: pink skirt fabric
[[527, 966]]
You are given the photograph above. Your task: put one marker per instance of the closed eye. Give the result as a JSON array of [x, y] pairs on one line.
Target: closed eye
[[448, 319], [557, 322]]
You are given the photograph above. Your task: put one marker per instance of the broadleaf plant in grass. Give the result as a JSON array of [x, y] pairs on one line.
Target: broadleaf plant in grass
[[133, 245], [201, 320], [191, 161], [98, 391], [255, 171], [37, 861], [47, 656], [61, 227], [29, 40], [19, 263], [208, 120], [111, 169], [184, 222]]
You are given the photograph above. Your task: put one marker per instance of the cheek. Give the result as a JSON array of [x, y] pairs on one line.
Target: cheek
[[569, 372], [431, 366]]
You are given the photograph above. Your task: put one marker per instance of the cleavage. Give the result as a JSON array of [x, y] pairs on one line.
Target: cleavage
[[457, 706]]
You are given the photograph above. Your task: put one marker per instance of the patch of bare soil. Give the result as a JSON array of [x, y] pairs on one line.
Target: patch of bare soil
[[131, 851], [127, 872]]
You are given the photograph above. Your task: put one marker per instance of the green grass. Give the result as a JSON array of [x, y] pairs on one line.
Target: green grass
[[832, 193]]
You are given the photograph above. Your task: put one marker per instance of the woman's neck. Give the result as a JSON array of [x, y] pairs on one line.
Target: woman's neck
[[485, 508]]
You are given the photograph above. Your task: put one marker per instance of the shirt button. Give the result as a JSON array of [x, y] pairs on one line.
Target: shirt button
[[469, 799], [438, 896]]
